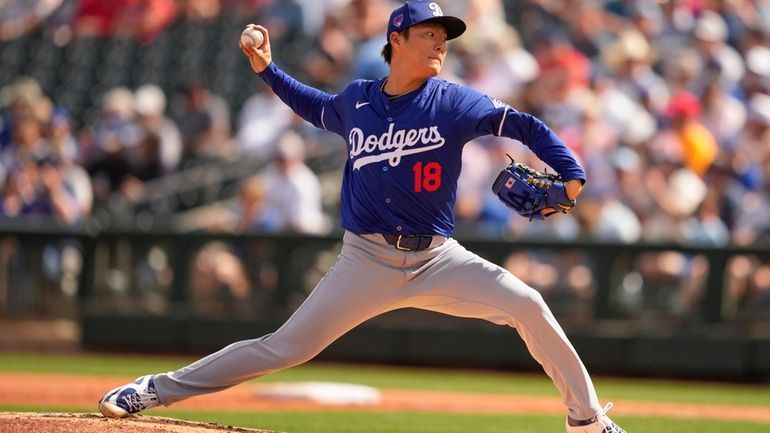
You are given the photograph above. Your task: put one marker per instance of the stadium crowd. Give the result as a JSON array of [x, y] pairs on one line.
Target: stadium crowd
[[666, 104]]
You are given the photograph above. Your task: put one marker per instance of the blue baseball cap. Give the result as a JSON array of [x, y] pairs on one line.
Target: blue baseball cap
[[418, 11]]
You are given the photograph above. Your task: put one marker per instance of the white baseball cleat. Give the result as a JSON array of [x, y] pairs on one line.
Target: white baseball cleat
[[130, 398], [599, 424]]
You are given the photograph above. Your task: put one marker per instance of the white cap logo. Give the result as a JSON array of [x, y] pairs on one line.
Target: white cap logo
[[437, 12]]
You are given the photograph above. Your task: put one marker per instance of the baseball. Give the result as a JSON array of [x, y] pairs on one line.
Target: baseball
[[252, 36]]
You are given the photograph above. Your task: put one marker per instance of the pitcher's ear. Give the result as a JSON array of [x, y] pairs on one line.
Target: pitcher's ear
[[394, 38]]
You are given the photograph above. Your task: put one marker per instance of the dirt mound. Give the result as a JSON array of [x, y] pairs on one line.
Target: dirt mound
[[18, 422]]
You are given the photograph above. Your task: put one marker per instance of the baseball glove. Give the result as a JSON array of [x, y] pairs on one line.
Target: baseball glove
[[530, 193]]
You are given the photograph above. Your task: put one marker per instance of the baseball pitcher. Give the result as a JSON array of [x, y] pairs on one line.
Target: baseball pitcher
[[405, 135]]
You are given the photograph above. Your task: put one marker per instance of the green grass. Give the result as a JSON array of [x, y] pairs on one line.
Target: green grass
[[406, 422], [407, 378], [96, 364], [339, 421]]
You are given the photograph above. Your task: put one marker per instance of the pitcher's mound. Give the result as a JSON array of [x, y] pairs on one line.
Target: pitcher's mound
[[18, 422]]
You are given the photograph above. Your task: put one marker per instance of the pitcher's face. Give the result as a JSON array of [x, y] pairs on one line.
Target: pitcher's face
[[425, 48]]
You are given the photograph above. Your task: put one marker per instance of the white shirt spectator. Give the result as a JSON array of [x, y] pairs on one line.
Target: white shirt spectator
[[617, 222], [263, 119], [150, 105], [293, 190]]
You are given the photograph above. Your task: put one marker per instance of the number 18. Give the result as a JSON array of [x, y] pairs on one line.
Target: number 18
[[427, 177]]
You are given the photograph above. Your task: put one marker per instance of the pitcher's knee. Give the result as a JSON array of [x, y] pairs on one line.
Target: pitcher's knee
[[297, 357], [289, 354]]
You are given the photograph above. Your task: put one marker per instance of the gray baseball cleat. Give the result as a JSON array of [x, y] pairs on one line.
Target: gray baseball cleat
[[601, 423], [130, 398]]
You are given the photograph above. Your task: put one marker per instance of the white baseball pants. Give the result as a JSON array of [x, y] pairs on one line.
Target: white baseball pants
[[371, 278]]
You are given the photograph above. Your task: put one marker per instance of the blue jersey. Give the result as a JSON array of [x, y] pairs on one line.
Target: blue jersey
[[405, 152]]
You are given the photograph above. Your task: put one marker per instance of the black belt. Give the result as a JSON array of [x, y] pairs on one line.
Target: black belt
[[409, 242]]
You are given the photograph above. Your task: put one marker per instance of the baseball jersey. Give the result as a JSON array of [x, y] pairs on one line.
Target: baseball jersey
[[404, 152]]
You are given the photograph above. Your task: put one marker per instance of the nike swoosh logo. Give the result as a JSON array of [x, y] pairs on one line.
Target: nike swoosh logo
[[361, 104]]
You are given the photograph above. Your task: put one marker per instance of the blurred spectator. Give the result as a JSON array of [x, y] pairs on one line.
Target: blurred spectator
[[38, 188], [654, 97], [721, 60], [218, 281], [487, 34], [199, 10], [630, 120], [589, 27], [697, 146], [748, 287], [141, 19], [263, 119], [203, 119], [95, 18], [629, 168], [314, 13], [706, 226], [251, 212], [590, 135], [144, 165], [327, 61], [565, 278], [757, 78], [241, 10], [667, 284], [21, 99], [563, 68], [629, 57], [751, 223], [665, 103], [609, 219], [110, 170], [723, 114], [124, 170], [501, 67], [367, 22], [27, 145], [293, 190], [564, 71], [756, 138], [475, 210], [150, 105], [677, 193], [739, 17], [60, 136], [115, 123], [285, 196], [246, 212], [38, 163], [681, 71], [647, 17], [18, 17], [105, 144], [533, 270], [64, 150], [285, 19], [77, 182]]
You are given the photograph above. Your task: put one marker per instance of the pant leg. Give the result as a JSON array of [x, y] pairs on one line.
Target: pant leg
[[362, 284], [460, 283]]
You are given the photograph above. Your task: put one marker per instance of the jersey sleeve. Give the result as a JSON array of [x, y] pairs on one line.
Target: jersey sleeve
[[315, 106], [481, 115]]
